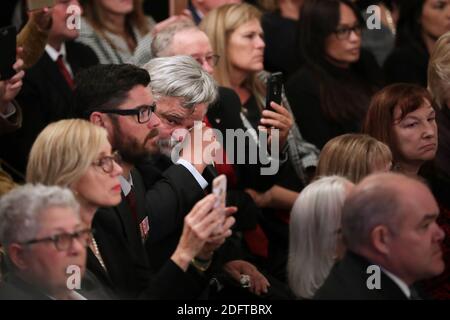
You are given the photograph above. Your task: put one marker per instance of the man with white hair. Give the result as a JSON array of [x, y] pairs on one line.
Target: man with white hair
[[183, 90], [185, 38], [393, 241]]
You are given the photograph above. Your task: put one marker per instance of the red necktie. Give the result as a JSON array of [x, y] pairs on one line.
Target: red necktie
[[65, 73]]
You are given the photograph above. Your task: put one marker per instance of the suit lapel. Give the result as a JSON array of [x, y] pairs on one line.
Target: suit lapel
[[129, 228], [354, 267], [94, 266], [55, 77]]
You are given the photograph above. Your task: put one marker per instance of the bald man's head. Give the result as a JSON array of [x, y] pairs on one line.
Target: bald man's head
[[391, 220]]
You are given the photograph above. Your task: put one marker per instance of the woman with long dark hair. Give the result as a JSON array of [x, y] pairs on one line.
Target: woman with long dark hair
[[331, 91], [420, 24]]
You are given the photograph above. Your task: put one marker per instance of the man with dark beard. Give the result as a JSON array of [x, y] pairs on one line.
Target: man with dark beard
[[117, 98]]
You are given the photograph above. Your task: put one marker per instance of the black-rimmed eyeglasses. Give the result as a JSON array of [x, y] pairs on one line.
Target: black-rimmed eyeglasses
[[143, 113], [343, 33], [64, 241]]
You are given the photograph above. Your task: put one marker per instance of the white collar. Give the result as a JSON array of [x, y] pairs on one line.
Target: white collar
[[73, 295], [126, 184], [400, 283], [55, 54]]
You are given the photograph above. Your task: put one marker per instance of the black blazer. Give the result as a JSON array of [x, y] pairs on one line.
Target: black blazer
[[347, 281], [45, 97], [129, 273], [170, 195]]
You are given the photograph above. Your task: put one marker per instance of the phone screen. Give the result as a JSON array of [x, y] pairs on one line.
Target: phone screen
[[220, 191], [7, 52], [274, 89]]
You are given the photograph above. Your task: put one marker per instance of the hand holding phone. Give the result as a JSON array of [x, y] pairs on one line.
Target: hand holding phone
[[274, 89]]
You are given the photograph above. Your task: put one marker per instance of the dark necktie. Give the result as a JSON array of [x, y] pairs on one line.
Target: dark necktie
[[65, 72], [131, 199]]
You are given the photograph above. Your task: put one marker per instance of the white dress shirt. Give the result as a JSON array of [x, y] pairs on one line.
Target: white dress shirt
[[127, 184]]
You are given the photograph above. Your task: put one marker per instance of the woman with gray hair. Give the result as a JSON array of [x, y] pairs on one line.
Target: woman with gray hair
[[315, 234], [45, 243]]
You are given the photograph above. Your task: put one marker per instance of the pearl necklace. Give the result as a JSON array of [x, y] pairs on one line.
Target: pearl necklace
[[97, 254]]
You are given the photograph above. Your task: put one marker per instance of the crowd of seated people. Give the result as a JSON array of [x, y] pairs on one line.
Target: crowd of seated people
[[115, 137]]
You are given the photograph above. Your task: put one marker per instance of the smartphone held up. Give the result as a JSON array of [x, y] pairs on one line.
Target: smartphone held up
[[7, 52], [274, 89], [219, 189]]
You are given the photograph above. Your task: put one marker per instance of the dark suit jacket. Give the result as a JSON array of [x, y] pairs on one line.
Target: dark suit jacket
[[45, 97], [129, 271], [171, 194], [348, 281]]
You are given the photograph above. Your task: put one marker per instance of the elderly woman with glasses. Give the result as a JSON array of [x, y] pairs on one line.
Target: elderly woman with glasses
[[331, 91], [45, 243]]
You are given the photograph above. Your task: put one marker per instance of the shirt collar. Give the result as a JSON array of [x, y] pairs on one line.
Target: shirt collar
[[400, 283], [126, 184], [73, 295], [55, 54]]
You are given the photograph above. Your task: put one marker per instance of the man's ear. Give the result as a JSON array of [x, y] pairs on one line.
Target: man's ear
[[98, 119], [381, 238], [17, 255]]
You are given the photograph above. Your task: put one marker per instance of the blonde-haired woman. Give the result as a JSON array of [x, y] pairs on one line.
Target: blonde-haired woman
[[236, 36], [77, 154], [315, 239], [439, 173], [353, 156], [439, 87]]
